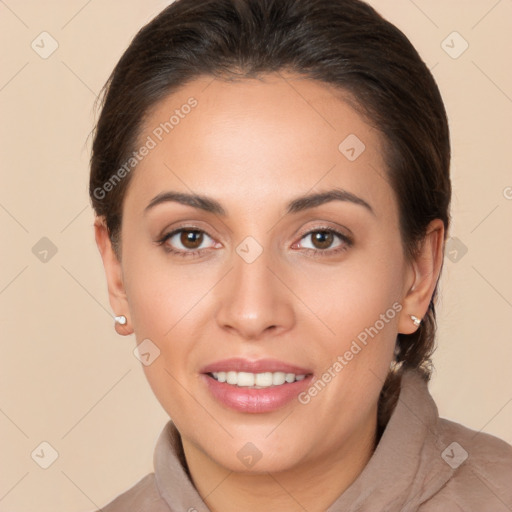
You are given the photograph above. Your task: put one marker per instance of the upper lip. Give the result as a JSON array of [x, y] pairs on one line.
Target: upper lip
[[238, 364]]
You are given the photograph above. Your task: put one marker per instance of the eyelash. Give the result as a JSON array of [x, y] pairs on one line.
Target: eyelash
[[347, 242]]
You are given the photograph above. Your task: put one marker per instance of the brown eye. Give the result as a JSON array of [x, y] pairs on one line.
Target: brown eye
[[325, 242], [191, 239], [187, 242], [322, 239]]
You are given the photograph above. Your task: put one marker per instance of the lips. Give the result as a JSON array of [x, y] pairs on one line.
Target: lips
[[254, 399]]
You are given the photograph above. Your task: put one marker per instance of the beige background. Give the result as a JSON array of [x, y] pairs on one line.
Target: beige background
[[65, 376]]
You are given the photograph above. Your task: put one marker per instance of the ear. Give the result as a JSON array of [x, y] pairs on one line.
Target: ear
[[113, 271], [423, 274]]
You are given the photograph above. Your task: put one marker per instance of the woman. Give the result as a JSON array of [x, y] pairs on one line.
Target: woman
[[271, 185]]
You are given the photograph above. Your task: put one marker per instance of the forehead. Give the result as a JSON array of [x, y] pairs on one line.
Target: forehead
[[259, 140]]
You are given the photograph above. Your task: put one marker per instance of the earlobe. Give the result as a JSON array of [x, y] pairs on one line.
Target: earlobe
[[426, 268], [114, 275], [122, 326]]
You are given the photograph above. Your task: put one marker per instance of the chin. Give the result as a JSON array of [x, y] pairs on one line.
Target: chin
[[251, 460]]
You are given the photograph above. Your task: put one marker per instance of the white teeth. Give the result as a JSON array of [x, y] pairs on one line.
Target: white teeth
[[263, 379], [245, 379], [278, 378], [256, 380]]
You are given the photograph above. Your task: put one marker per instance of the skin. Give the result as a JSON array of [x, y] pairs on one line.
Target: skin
[[253, 146]]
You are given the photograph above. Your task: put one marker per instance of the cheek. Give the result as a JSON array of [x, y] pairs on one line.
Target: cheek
[[355, 291], [167, 302], [359, 305], [170, 386], [162, 293]]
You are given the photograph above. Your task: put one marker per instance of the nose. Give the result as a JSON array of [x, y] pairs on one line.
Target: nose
[[253, 302]]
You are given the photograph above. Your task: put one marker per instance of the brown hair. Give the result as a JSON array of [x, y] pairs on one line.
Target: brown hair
[[345, 43]]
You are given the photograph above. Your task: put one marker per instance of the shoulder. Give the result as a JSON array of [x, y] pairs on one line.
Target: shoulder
[[480, 443], [142, 497], [481, 470]]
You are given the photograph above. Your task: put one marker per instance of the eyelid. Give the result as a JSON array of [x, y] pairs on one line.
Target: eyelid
[[176, 226], [341, 230]]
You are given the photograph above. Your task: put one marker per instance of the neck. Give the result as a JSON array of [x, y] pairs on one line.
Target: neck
[[313, 485]]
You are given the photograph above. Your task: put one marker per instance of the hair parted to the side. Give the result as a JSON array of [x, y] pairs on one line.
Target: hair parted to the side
[[344, 43]]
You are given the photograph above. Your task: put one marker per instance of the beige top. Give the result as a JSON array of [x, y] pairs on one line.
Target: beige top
[[422, 463]]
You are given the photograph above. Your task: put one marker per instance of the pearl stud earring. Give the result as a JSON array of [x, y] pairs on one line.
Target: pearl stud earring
[[121, 320], [415, 320]]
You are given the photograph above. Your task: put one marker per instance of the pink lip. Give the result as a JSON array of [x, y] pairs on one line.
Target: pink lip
[[238, 364], [243, 399]]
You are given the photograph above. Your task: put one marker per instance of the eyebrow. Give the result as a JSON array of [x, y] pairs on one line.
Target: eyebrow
[[297, 205]]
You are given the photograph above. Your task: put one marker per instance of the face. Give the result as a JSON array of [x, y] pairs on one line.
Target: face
[[261, 245]]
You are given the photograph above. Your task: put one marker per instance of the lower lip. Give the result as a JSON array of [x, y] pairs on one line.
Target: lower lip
[[250, 400]]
